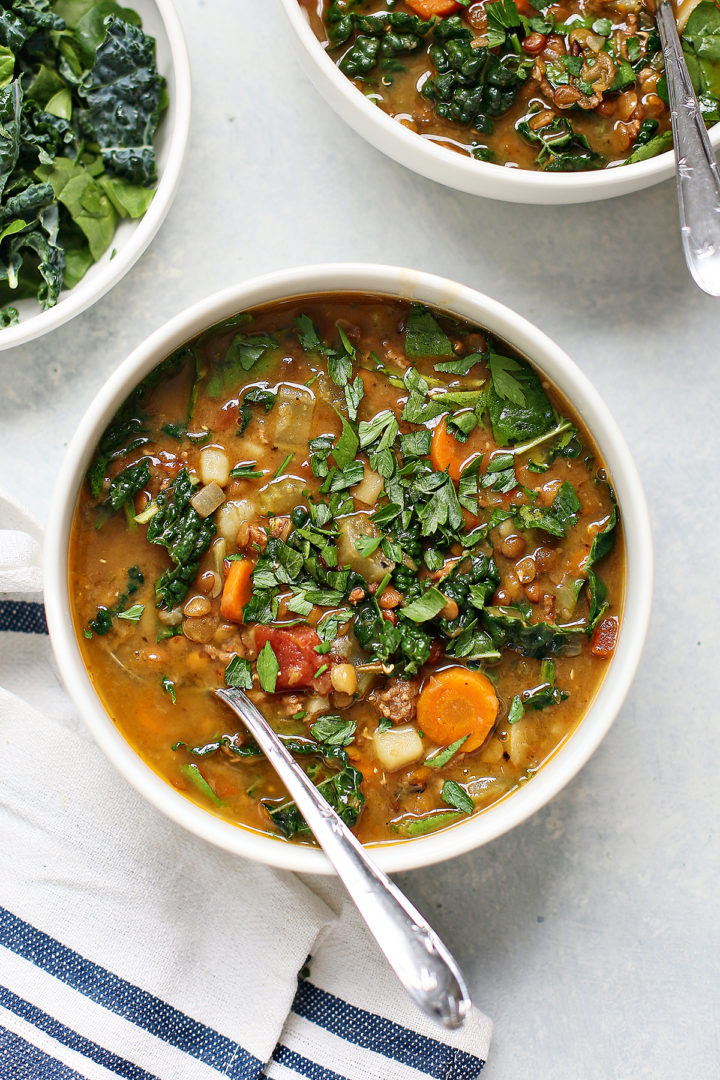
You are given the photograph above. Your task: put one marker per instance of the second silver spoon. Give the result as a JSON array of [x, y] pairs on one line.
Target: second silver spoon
[[698, 182]]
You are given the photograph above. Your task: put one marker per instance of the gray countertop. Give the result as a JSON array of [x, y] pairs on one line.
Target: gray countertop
[[590, 933]]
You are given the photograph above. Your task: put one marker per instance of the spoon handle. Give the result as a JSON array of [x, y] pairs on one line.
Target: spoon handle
[[698, 182], [421, 961]]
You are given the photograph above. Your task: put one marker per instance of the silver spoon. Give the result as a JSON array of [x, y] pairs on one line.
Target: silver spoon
[[697, 176], [416, 954]]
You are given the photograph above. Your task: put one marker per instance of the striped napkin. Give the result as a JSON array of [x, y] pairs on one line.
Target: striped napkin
[[130, 948]]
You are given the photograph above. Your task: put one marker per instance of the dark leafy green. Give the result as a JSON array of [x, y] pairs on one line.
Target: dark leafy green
[[510, 627], [518, 406], [123, 92], [128, 483], [185, 535], [80, 101]]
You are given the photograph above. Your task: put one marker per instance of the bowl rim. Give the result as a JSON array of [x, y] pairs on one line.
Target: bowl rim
[[78, 300], [457, 170], [550, 360]]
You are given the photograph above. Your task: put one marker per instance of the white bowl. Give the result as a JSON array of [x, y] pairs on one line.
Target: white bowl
[[456, 170], [160, 20], [549, 359]]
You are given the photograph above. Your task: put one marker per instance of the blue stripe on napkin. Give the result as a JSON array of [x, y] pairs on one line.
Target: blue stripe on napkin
[[22, 617], [28, 1062], [140, 1007], [372, 1032], [303, 1066], [72, 1039]]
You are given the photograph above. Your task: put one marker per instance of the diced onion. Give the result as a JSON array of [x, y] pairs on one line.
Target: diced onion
[[170, 618], [369, 489], [373, 567], [280, 496], [293, 413], [206, 501]]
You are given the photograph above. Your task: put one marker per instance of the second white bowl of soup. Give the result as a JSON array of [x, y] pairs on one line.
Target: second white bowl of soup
[[560, 105], [394, 512]]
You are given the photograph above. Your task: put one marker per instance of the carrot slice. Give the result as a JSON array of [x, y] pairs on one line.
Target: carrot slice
[[427, 8], [446, 453], [457, 702], [237, 590]]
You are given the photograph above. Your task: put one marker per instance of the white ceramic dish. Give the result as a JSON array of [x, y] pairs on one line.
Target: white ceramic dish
[[453, 169], [160, 20], [549, 359]]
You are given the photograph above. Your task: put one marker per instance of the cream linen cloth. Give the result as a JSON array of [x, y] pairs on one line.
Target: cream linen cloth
[[131, 948]]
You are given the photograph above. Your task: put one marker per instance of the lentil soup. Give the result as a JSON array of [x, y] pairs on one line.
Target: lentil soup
[[568, 86], [385, 526]]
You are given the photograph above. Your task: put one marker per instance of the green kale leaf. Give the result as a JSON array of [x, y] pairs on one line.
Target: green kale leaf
[[186, 536], [123, 92]]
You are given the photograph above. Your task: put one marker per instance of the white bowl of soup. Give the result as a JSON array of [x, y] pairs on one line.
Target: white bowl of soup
[[395, 513], [560, 105]]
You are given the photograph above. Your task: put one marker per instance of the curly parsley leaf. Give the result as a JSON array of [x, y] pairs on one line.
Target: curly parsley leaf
[[424, 336], [267, 668], [455, 795], [425, 607], [333, 730], [555, 519], [238, 673]]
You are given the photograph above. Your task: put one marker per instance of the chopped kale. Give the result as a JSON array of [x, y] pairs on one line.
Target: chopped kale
[[510, 627], [80, 101], [128, 483], [123, 93], [179, 528]]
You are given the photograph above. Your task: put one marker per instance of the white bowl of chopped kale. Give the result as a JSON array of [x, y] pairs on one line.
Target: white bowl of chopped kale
[[514, 100], [420, 657], [95, 112]]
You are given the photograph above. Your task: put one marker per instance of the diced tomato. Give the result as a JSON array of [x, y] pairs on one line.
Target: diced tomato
[[294, 648], [602, 643], [436, 651]]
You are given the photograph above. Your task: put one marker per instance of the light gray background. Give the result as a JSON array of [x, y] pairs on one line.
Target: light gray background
[[589, 934]]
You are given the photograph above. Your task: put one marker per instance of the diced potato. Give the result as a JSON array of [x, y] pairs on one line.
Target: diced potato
[[230, 517], [370, 487], [281, 495], [251, 449], [493, 751], [398, 747], [214, 466], [519, 744], [372, 567], [293, 413]]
